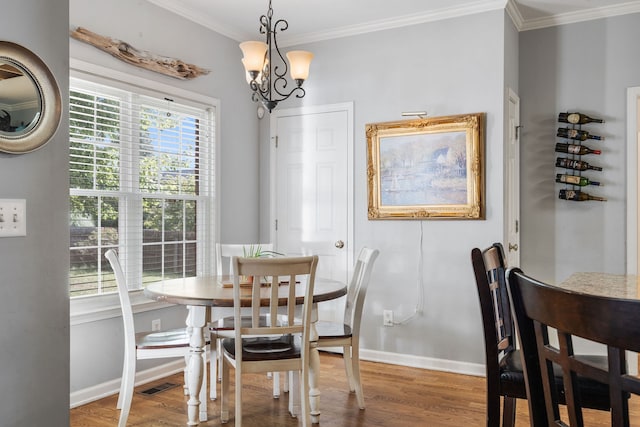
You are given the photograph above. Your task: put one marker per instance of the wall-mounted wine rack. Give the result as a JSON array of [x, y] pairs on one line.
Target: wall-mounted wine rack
[[571, 150]]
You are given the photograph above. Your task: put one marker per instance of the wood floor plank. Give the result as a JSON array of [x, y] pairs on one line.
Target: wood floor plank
[[394, 395]]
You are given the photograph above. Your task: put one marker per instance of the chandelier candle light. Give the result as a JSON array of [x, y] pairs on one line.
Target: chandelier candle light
[[268, 81]]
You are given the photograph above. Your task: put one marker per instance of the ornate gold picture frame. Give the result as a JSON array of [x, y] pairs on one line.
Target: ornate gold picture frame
[[426, 168]]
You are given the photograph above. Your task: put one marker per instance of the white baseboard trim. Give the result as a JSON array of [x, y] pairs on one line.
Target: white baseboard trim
[[431, 363], [99, 391]]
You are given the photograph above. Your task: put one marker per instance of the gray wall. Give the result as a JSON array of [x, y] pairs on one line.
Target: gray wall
[[448, 67], [587, 67], [34, 303]]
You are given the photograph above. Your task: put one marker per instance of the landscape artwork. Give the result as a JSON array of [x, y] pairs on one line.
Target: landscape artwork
[[426, 168]]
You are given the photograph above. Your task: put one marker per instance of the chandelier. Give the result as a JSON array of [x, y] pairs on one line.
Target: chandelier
[[266, 68]]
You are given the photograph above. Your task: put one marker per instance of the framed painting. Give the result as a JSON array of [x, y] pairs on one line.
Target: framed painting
[[426, 168]]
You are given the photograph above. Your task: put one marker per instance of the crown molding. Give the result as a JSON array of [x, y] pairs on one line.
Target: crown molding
[[514, 14], [585, 15], [396, 22], [334, 33], [479, 6]]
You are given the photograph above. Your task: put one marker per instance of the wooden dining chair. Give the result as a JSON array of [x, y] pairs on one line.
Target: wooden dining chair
[[538, 307], [222, 326], [505, 377], [279, 345], [347, 333], [147, 345], [504, 371]]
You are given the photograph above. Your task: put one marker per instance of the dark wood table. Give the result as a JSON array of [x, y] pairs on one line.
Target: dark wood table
[[201, 293], [625, 286]]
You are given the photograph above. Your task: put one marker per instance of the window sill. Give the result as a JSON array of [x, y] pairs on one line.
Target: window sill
[[101, 307]]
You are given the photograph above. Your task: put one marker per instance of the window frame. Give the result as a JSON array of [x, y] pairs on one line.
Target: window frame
[[91, 308]]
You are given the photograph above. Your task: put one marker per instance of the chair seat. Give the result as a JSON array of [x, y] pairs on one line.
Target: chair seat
[[254, 349], [227, 323], [594, 394], [332, 330], [165, 339], [512, 376]]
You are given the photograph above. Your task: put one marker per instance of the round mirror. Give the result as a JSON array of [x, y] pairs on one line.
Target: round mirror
[[30, 104]]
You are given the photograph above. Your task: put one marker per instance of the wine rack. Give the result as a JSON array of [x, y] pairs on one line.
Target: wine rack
[[569, 156]]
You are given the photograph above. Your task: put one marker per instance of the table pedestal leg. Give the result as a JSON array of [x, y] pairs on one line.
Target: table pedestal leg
[[196, 321], [314, 369]]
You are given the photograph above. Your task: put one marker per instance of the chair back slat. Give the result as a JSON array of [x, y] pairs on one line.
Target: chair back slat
[[357, 289], [489, 269], [609, 321]]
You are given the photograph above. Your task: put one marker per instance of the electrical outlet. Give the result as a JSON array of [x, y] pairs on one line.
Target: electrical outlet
[[156, 325], [387, 317]]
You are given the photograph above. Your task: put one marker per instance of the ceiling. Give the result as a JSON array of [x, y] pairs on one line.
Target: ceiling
[[314, 20]]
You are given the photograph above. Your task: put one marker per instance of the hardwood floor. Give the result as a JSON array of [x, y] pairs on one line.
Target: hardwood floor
[[394, 395]]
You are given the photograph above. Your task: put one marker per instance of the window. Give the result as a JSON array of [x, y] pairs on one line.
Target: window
[[141, 181]]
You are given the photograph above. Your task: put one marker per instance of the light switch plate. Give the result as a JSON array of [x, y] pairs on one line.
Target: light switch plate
[[13, 217]]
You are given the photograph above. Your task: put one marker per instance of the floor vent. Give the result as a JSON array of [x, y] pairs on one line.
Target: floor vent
[[157, 389]]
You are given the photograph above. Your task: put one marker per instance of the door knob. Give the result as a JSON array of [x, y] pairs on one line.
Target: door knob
[[513, 247], [339, 244]]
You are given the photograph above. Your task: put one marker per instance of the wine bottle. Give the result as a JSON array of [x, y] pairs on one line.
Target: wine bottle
[[575, 180], [575, 149], [579, 165], [580, 135], [577, 118], [578, 196]]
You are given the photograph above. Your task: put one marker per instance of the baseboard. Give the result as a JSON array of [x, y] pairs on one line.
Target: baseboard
[[431, 363], [99, 391]]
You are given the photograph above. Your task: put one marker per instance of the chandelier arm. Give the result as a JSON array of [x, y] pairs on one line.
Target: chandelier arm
[[301, 90], [264, 24], [283, 26]]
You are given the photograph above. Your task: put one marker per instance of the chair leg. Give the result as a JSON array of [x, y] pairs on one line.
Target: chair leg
[[509, 412], [493, 404], [238, 385], [348, 367], [294, 394], [213, 361], [304, 398], [220, 358], [126, 389], [203, 389], [285, 383], [276, 384], [357, 382], [224, 393]]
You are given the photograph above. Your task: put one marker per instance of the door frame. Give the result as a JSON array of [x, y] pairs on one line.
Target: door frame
[[347, 107], [512, 184], [633, 162]]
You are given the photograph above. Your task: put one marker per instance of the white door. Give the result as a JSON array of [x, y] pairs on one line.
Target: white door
[[312, 168], [633, 179], [512, 247]]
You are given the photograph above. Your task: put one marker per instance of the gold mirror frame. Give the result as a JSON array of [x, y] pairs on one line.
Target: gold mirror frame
[[40, 132], [426, 168]]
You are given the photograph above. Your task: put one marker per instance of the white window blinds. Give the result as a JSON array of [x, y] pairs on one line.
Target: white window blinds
[[141, 181]]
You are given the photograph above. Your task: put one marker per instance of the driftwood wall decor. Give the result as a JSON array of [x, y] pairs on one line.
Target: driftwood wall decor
[[124, 51]]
